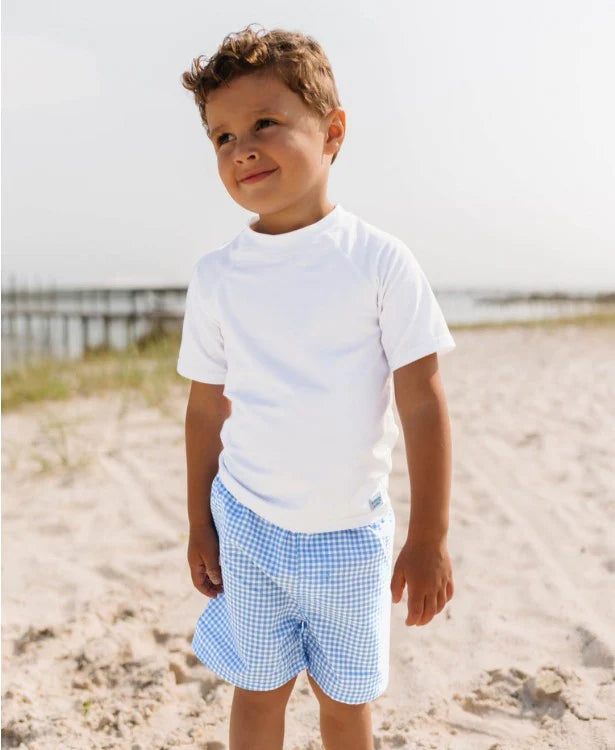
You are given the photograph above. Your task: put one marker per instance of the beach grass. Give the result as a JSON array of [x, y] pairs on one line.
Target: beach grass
[[148, 366]]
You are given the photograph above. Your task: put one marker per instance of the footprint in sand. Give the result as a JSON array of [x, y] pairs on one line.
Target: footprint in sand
[[550, 692], [594, 652]]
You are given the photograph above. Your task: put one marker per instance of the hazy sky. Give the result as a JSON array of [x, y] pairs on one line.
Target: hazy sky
[[480, 132]]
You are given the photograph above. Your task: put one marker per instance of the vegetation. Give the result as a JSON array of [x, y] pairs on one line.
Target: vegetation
[[148, 366]]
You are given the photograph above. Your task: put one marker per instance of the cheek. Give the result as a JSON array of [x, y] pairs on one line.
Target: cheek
[[226, 171], [289, 145], [298, 156], [306, 151]]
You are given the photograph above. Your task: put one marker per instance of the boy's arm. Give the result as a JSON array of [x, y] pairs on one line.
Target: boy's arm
[[423, 563], [423, 413], [205, 414]]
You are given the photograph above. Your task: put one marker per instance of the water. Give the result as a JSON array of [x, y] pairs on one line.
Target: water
[[466, 307]]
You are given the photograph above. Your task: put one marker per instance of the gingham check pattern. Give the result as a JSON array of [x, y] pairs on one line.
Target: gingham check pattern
[[295, 600]]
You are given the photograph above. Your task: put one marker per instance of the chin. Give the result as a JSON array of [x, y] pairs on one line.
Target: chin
[[242, 201], [256, 206]]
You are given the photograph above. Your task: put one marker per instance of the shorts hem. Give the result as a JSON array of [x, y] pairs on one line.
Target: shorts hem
[[340, 699], [237, 681]]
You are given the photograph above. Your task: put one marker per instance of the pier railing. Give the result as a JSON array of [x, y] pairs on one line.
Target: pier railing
[[66, 322]]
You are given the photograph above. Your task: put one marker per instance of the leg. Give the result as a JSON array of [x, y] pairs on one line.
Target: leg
[[257, 718], [343, 725]]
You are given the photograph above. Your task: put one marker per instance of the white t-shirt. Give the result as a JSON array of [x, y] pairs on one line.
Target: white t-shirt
[[305, 329]]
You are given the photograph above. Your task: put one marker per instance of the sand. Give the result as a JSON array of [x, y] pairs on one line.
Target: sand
[[99, 609]]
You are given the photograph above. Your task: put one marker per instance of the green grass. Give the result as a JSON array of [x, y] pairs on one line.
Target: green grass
[[148, 367]]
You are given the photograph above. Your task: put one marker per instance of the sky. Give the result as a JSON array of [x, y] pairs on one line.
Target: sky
[[479, 132]]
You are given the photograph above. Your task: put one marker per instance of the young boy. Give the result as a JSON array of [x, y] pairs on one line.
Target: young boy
[[295, 333]]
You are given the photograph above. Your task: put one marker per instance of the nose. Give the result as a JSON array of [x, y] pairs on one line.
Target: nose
[[244, 151], [245, 157]]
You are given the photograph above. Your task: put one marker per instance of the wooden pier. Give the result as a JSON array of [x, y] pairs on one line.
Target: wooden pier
[[29, 314]]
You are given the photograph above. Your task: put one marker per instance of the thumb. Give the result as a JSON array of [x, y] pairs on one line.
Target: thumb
[[397, 585], [214, 573]]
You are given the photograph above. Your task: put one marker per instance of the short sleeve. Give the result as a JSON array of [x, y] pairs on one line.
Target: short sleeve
[[201, 354], [411, 321]]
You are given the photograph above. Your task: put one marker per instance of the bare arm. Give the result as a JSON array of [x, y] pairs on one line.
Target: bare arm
[[205, 414], [423, 563], [423, 412]]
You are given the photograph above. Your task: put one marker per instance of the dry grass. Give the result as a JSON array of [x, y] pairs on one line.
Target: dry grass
[[149, 367]]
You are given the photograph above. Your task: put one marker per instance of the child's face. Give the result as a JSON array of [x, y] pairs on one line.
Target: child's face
[[286, 137]]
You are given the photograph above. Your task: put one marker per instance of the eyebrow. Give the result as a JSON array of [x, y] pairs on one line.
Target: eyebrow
[[260, 111]]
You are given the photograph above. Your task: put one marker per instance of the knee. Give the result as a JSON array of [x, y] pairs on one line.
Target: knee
[[265, 700], [336, 709]]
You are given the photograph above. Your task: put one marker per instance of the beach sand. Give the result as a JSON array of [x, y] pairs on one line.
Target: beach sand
[[99, 609]]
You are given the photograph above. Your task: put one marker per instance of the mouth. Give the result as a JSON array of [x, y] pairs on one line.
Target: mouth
[[258, 177]]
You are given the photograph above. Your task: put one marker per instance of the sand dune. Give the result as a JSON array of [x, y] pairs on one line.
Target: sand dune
[[99, 610]]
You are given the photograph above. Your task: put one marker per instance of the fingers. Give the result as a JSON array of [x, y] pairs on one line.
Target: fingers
[[397, 586], [203, 583], [217, 588], [204, 562], [423, 608], [416, 605], [215, 574]]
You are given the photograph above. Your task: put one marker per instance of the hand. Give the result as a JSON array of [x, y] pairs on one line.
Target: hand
[[203, 559], [426, 568]]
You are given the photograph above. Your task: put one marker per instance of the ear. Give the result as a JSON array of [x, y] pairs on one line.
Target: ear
[[336, 130]]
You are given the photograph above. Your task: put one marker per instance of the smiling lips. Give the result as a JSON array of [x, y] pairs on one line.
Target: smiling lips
[[257, 176]]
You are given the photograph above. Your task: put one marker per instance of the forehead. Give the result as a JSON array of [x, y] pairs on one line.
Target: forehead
[[248, 95]]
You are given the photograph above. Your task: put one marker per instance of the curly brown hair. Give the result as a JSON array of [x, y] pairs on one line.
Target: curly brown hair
[[296, 58]]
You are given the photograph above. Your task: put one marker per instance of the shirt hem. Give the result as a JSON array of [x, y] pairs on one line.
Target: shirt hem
[[442, 345], [200, 376], [246, 498]]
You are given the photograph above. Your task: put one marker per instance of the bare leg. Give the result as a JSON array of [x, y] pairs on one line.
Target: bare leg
[[343, 725], [257, 718]]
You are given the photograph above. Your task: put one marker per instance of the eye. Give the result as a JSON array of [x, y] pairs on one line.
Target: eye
[[219, 138]]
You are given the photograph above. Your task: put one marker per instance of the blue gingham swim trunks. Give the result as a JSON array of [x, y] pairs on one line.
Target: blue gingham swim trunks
[[295, 601]]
